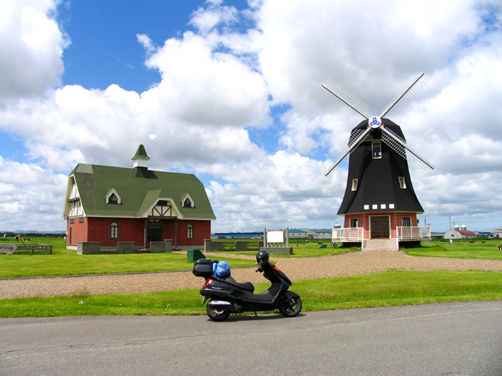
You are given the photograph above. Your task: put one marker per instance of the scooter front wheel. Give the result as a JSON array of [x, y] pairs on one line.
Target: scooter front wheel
[[291, 304], [217, 314]]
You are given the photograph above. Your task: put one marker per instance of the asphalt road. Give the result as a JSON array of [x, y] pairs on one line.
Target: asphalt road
[[436, 339]]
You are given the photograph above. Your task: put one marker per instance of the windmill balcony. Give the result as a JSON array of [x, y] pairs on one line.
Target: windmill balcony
[[347, 234], [413, 233], [404, 233]]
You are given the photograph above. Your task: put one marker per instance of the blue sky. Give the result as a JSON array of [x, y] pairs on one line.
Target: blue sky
[[231, 90]]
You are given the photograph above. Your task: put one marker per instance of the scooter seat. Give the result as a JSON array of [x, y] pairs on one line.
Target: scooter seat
[[245, 285]]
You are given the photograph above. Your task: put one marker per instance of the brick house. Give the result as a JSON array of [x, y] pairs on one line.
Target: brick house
[[109, 204]]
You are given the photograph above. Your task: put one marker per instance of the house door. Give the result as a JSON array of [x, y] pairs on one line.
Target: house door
[[380, 228], [153, 231]]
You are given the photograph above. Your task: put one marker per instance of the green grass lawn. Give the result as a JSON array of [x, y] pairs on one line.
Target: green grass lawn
[[375, 290], [67, 262], [479, 249], [312, 248]]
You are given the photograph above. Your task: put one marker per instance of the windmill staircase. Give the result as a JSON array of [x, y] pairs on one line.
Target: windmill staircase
[[380, 245]]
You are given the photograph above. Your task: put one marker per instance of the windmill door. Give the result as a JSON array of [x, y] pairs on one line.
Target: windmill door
[[380, 227]]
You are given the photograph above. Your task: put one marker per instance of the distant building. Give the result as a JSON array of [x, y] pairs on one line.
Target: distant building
[[459, 234], [110, 204], [497, 233]]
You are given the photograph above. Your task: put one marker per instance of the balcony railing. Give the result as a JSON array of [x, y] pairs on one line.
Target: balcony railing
[[405, 233], [348, 234]]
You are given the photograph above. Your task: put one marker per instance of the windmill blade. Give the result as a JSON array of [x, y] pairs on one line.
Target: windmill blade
[[389, 107], [405, 145], [346, 101], [349, 150]]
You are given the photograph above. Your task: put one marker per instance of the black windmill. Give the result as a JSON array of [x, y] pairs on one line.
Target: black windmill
[[379, 196]]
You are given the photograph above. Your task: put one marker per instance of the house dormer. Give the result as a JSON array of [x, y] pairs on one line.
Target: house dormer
[[112, 197], [187, 201]]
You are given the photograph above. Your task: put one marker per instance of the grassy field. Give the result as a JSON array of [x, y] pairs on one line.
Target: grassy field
[[67, 262], [375, 290], [479, 248]]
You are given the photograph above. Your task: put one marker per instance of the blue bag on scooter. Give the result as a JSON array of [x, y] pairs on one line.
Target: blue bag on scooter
[[221, 269]]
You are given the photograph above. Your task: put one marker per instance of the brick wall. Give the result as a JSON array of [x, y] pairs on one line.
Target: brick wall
[[133, 229], [201, 231], [130, 229], [395, 220], [77, 227]]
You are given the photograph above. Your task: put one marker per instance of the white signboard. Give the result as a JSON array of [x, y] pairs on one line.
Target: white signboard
[[275, 237]]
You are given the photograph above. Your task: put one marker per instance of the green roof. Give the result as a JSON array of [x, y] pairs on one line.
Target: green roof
[[139, 189], [140, 153]]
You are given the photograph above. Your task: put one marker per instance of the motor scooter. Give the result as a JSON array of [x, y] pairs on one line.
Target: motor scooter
[[224, 295]]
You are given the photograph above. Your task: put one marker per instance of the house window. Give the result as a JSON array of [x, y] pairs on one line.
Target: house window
[[354, 184], [187, 203], [81, 220], [354, 222], [376, 149], [406, 221], [113, 199], [189, 231], [402, 182], [114, 230]]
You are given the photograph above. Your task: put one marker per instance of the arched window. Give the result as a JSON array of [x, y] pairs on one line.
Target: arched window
[[187, 203], [114, 230], [113, 199], [189, 231]]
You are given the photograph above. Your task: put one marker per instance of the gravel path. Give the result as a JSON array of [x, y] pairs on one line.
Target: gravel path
[[296, 268]]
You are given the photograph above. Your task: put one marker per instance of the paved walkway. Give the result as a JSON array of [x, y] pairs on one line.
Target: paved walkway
[[356, 263]]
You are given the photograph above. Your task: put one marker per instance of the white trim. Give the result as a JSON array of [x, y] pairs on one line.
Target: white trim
[[192, 202], [140, 163], [173, 205], [113, 191], [66, 212]]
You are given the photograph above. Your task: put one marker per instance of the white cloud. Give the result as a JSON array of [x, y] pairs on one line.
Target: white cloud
[[32, 47], [214, 14], [30, 197]]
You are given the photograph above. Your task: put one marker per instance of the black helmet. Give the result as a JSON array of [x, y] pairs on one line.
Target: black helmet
[[262, 256]]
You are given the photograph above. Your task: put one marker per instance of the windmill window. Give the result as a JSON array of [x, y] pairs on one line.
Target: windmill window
[[189, 231], [391, 206], [374, 206], [366, 207], [114, 230], [402, 182], [354, 184], [376, 149]]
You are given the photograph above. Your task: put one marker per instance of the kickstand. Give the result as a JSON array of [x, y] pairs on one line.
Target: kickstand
[[255, 314]]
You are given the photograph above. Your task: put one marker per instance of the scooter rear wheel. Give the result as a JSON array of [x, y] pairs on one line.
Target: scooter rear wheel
[[291, 305], [217, 314]]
